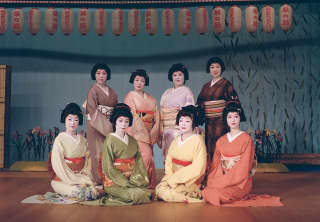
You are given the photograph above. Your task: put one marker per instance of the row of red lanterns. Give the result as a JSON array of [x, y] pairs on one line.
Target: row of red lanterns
[[151, 20]]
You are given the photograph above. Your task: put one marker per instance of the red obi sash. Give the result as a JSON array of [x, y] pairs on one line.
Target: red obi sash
[[128, 160], [75, 160], [181, 162], [186, 163], [76, 166]]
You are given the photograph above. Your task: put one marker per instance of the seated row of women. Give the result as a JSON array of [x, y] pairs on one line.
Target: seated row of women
[[123, 173], [150, 124]]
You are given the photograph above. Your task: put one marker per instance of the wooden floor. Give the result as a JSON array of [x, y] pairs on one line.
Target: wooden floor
[[299, 191]]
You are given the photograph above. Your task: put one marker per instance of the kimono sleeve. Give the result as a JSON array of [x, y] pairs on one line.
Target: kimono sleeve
[[139, 176], [96, 119], [155, 131], [107, 164], [189, 174]]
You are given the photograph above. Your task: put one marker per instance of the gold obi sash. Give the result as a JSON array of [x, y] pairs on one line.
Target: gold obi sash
[[214, 108], [75, 164], [168, 118], [147, 117], [228, 162], [105, 110], [125, 166], [178, 164]]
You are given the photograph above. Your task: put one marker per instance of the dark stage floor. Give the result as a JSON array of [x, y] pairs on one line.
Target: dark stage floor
[[299, 191]]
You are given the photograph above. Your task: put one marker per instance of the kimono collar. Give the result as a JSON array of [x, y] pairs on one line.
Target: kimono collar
[[175, 89], [232, 138], [75, 139], [125, 139], [105, 90], [180, 142], [214, 82]]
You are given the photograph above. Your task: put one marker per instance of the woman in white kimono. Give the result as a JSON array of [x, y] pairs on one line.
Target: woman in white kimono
[[69, 163], [172, 100], [185, 163]]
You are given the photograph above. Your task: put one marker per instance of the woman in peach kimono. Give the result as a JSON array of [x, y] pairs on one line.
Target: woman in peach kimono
[[185, 163], [230, 178], [146, 119], [172, 100], [99, 104]]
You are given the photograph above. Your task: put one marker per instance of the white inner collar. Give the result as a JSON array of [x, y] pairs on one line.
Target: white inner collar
[[214, 82], [230, 138], [125, 139], [180, 142]]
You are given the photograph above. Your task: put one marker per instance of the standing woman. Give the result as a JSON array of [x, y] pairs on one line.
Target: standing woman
[[69, 162], [100, 102], [212, 99], [146, 120], [172, 100]]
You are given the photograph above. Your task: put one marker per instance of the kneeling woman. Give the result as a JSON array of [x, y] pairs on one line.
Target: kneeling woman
[[125, 178], [185, 162], [69, 164], [233, 164]]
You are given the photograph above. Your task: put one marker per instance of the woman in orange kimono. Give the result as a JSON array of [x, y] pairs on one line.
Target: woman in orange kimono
[[146, 119], [230, 178], [212, 99], [99, 105]]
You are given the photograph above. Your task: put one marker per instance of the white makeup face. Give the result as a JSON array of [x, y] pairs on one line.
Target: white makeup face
[[139, 83], [233, 120], [122, 123], [178, 79], [101, 76], [215, 70], [71, 123], [185, 124]]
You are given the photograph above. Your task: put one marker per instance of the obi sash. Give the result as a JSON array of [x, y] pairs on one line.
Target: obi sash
[[105, 110], [228, 162], [75, 164], [214, 108], [168, 117], [184, 164], [125, 166], [147, 117]]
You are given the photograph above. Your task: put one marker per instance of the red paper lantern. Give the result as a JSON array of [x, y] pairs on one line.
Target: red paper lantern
[[151, 21], [67, 21], [184, 21], [268, 18], [167, 21], [3, 20], [34, 21], [234, 17], [100, 21], [134, 21], [201, 20], [117, 21], [218, 19], [17, 21], [51, 21], [84, 21], [285, 17], [252, 18]]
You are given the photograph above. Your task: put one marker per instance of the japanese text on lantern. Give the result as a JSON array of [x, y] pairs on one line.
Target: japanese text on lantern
[[285, 15], [3, 24]]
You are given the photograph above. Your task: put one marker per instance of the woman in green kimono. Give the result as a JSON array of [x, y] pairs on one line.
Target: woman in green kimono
[[125, 179]]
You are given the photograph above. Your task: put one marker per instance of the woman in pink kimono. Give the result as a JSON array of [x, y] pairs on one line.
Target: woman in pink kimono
[[146, 119], [172, 100], [100, 102]]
